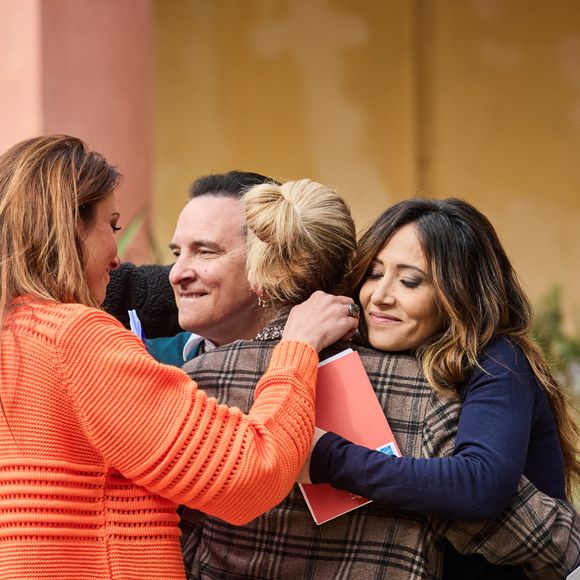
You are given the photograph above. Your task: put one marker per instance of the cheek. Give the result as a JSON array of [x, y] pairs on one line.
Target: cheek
[[113, 246], [103, 246], [236, 278], [365, 293], [428, 316]]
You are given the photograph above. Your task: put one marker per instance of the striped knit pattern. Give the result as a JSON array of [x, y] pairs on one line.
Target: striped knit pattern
[[99, 443]]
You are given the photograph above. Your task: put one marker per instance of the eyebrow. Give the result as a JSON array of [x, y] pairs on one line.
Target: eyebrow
[[197, 244], [401, 266]]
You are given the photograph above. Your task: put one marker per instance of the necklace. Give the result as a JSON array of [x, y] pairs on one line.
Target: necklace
[[270, 333]]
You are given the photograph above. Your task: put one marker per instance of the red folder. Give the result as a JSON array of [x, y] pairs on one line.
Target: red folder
[[347, 405]]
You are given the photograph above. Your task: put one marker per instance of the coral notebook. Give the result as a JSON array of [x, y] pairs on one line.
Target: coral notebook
[[347, 405]]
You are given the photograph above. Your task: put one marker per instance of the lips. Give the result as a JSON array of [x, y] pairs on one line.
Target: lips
[[382, 318], [191, 295]]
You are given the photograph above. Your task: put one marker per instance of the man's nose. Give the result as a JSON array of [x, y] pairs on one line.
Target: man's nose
[[181, 271]]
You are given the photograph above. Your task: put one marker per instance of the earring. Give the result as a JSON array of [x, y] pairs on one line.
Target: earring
[[263, 303]]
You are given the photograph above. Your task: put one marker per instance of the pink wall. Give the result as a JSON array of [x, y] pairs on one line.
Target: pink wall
[[85, 69], [20, 71], [97, 65]]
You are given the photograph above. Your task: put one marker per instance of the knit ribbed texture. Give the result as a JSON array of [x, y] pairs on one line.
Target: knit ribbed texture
[[102, 443]]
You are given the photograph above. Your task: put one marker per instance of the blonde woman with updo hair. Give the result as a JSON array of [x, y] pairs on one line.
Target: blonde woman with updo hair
[[301, 238], [98, 441]]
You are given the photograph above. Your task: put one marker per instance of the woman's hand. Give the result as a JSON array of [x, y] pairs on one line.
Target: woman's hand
[[304, 475], [322, 320]]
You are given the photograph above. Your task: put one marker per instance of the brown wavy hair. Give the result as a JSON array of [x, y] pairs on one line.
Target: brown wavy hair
[[479, 295], [48, 186]]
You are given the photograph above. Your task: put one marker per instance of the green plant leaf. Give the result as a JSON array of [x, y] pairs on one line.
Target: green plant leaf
[[130, 231]]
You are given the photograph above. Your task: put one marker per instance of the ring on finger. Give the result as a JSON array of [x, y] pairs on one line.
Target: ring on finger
[[352, 309]]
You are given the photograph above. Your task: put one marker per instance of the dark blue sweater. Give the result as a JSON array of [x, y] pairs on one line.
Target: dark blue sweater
[[506, 428]]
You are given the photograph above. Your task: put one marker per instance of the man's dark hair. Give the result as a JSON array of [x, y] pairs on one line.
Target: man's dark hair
[[231, 184]]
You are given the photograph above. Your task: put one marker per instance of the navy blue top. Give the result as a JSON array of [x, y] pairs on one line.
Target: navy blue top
[[506, 428]]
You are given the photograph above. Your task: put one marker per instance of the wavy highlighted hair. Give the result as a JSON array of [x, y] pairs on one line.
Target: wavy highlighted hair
[[479, 295]]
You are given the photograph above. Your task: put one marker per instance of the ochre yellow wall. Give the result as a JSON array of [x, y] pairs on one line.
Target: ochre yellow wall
[[502, 127], [289, 89], [383, 99]]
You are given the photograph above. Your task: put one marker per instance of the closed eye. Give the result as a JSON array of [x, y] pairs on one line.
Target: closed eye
[[374, 275], [411, 282]]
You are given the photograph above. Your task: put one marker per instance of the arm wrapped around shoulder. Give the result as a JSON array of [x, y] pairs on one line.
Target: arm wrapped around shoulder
[[153, 424], [147, 290], [536, 531]]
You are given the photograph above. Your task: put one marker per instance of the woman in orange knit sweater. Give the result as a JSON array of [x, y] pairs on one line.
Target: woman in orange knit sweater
[[98, 442]]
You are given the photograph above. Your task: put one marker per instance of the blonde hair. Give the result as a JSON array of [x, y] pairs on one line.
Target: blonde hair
[[301, 238], [48, 187]]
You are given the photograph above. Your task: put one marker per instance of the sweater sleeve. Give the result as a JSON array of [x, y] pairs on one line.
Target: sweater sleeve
[[480, 478], [147, 290], [151, 422]]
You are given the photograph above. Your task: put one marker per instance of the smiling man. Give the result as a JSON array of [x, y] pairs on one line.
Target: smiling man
[[209, 279], [216, 304]]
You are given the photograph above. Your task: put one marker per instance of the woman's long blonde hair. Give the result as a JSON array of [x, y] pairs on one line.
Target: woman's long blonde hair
[[301, 238], [48, 186], [479, 295]]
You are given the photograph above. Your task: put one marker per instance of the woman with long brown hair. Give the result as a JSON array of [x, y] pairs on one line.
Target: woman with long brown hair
[[433, 280], [98, 441]]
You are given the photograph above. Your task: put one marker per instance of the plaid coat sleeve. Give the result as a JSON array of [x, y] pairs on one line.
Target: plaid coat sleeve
[[538, 532]]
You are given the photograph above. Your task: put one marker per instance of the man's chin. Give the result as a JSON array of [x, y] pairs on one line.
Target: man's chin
[[192, 324]]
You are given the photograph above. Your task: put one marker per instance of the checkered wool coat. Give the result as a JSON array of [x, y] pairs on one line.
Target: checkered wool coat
[[374, 541]]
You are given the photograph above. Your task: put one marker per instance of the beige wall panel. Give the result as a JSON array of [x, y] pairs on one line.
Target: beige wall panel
[[310, 88]]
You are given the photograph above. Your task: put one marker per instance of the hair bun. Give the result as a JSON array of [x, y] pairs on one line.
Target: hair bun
[[271, 216], [300, 238]]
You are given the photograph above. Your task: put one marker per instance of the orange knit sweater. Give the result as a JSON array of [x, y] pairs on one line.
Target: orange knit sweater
[[98, 443]]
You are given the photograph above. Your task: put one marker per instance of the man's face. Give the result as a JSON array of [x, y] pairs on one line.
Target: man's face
[[209, 277]]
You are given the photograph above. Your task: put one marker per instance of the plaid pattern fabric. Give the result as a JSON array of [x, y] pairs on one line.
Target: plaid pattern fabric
[[540, 532], [372, 542]]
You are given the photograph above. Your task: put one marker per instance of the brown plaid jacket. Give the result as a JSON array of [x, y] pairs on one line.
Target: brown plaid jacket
[[375, 541]]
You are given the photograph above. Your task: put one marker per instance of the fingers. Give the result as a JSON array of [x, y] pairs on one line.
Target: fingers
[[322, 320]]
